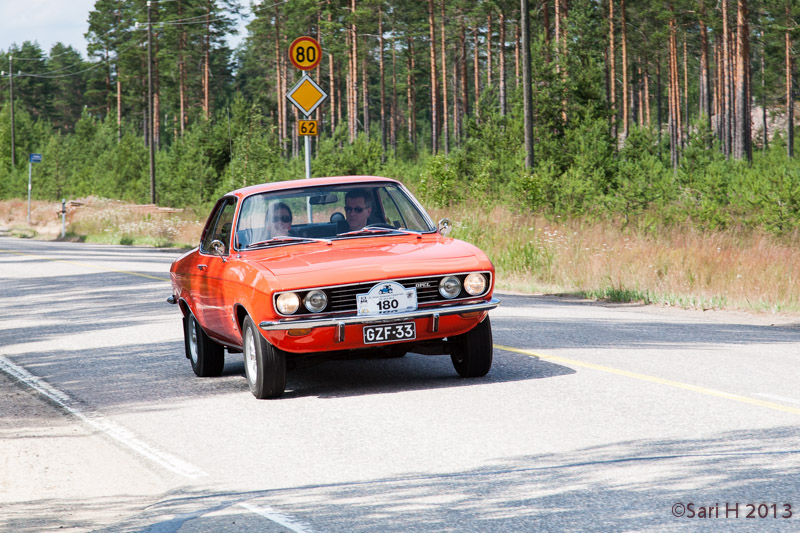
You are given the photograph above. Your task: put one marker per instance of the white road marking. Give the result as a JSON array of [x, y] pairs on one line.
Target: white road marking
[[108, 427], [278, 518], [778, 398]]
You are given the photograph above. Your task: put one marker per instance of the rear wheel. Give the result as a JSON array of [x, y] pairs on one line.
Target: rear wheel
[[264, 364], [472, 351], [207, 357]]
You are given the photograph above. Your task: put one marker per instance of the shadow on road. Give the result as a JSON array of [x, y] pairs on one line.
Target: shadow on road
[[625, 486]]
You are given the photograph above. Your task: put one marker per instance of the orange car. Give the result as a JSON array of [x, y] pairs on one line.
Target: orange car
[[327, 268]]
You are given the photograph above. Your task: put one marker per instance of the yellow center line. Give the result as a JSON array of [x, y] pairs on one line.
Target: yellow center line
[[89, 265], [653, 379]]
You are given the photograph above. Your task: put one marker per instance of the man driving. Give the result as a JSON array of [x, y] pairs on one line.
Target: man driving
[[357, 208]]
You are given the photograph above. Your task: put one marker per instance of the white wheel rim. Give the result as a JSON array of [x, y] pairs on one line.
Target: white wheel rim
[[193, 340], [250, 360]]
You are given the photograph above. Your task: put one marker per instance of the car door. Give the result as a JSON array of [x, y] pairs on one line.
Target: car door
[[213, 311]]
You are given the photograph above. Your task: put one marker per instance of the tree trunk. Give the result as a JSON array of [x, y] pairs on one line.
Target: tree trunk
[[612, 69], [517, 47], [354, 74], [331, 77], [207, 62], [119, 107], [640, 95], [156, 97], [659, 96], [548, 44], [674, 93], [562, 43], [647, 96], [279, 94], [789, 87], [383, 84], [526, 83], [626, 113], [446, 126], [456, 103], [685, 90], [476, 69], [393, 116], [182, 72], [705, 88], [765, 141], [743, 146], [412, 95], [489, 77], [434, 81], [502, 53], [364, 92], [725, 74], [464, 88]]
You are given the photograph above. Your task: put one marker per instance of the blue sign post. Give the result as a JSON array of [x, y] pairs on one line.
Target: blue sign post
[[32, 158]]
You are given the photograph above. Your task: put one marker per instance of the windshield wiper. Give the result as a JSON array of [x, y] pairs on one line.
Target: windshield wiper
[[377, 230], [286, 239]]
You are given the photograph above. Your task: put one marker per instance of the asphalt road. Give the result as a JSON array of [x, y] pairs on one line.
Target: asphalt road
[[593, 418]]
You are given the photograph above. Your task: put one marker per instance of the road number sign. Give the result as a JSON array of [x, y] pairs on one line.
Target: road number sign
[[305, 53], [307, 127]]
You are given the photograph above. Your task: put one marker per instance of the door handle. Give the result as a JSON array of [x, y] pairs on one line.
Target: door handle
[[202, 267]]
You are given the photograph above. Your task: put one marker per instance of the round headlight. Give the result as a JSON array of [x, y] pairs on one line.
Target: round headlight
[[449, 287], [288, 303], [315, 301], [475, 284]]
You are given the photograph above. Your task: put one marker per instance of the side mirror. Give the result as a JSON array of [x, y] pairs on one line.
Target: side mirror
[[444, 226], [218, 248]]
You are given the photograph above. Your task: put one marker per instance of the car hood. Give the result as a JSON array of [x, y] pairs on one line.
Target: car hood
[[366, 259]]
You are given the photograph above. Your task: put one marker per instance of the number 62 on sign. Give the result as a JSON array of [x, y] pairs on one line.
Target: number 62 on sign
[[307, 127]]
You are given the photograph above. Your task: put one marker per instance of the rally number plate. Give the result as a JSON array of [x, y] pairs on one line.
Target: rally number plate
[[405, 331]]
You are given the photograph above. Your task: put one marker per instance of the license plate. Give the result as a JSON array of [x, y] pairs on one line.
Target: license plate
[[390, 333], [387, 298]]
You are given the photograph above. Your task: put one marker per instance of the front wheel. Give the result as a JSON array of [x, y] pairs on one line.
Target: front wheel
[[472, 351], [207, 357], [264, 364]]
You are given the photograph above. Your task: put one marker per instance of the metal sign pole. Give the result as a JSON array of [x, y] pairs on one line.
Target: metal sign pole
[[308, 172], [63, 217], [30, 166]]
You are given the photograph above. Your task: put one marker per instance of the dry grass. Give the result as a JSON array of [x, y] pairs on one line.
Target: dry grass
[[680, 267], [684, 268], [106, 221]]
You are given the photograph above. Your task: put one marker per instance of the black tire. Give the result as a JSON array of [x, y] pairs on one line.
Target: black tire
[[472, 352], [264, 364], [207, 357]]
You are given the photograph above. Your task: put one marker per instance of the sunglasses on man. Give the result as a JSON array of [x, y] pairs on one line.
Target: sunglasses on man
[[282, 218]]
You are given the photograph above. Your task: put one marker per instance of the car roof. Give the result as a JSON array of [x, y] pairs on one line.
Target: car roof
[[310, 182]]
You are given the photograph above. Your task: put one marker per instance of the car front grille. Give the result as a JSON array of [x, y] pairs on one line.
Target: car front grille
[[342, 298]]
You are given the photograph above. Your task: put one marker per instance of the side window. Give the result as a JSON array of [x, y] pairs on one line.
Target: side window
[[391, 210], [220, 228]]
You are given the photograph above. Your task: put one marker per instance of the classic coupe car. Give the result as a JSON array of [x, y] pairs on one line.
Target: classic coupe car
[[330, 268]]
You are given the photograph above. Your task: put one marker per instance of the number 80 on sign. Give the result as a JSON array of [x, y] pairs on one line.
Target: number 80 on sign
[[305, 53]]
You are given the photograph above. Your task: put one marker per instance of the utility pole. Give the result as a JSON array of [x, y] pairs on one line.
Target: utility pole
[[11, 99], [150, 132], [526, 83]]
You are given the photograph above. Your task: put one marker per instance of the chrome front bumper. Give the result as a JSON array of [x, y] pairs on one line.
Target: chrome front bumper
[[340, 322]]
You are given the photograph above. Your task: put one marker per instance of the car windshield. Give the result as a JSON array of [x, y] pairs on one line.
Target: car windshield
[[329, 213]]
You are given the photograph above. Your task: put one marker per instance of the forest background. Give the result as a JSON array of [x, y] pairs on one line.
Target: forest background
[[663, 165]]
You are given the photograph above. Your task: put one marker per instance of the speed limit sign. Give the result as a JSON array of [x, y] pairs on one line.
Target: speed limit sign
[[305, 53]]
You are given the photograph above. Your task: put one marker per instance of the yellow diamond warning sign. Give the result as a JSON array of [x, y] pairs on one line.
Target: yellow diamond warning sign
[[306, 95]]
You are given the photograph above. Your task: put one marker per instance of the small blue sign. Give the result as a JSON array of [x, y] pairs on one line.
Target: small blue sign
[[35, 158]]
